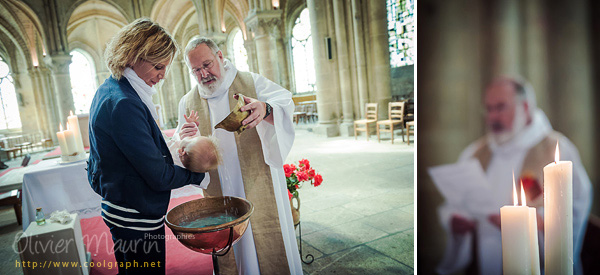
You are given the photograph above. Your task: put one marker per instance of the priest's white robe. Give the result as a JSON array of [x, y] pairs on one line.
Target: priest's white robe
[[506, 158], [276, 140]]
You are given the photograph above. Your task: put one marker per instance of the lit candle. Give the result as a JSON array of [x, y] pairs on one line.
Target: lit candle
[[516, 255], [558, 216], [73, 123], [533, 235]]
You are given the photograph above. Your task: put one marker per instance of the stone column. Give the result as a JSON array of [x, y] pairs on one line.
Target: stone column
[[44, 84], [260, 24], [347, 126], [59, 64], [250, 46], [188, 83], [536, 51], [380, 56], [507, 57], [325, 72], [280, 60], [359, 52]]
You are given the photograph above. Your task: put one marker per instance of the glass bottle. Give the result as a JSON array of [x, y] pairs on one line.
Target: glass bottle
[[39, 216]]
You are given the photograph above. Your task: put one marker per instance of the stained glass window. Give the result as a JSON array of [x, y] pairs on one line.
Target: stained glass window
[[240, 57], [9, 113], [401, 29], [83, 85], [302, 52]]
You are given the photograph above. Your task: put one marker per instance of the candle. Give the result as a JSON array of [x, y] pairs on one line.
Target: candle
[[558, 216], [62, 142], [70, 140], [533, 236], [73, 123], [516, 256]]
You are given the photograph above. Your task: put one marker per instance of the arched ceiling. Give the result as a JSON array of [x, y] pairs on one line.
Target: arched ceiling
[[92, 25], [170, 13], [21, 30]]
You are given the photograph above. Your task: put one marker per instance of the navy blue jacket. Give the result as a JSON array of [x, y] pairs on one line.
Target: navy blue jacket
[[129, 161]]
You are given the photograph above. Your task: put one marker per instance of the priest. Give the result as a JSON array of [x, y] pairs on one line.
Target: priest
[[519, 138], [252, 165]]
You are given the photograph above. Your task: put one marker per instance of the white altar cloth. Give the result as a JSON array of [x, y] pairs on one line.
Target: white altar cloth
[[55, 186]]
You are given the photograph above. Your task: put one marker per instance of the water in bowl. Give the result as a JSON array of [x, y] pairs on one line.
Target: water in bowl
[[209, 221]]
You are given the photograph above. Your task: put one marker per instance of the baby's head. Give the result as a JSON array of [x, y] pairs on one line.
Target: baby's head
[[199, 154]]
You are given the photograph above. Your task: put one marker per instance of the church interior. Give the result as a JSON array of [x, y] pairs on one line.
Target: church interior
[[463, 45], [334, 56]]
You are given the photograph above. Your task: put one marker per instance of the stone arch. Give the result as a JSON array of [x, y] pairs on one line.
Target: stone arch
[[65, 20], [23, 28]]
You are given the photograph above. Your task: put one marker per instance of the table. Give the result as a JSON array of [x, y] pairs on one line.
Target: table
[[64, 243], [55, 186]]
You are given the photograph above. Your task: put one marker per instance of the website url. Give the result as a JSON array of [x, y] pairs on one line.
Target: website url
[[101, 264]]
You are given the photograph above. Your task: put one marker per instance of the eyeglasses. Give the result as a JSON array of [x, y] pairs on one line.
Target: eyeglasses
[[206, 66]]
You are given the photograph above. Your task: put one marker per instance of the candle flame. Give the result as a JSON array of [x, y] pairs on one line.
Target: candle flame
[[556, 154], [523, 200], [515, 198], [71, 113], [61, 129], [67, 126]]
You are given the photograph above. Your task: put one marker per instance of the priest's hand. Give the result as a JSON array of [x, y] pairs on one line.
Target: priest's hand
[[461, 225], [189, 129], [257, 109], [495, 220]]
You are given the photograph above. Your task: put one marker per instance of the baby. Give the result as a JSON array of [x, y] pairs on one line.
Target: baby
[[199, 154]]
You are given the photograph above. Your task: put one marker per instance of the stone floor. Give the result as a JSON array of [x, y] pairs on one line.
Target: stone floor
[[359, 221]]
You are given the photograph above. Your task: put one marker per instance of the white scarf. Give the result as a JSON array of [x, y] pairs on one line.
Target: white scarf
[[228, 77], [142, 89]]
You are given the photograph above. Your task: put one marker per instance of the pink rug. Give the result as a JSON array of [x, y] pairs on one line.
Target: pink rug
[[180, 260]]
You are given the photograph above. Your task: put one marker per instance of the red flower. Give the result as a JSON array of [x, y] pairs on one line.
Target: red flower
[[311, 173], [290, 194], [318, 180], [302, 176], [288, 169], [304, 164]]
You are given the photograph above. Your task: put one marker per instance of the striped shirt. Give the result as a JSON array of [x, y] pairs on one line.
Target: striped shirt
[[123, 216]]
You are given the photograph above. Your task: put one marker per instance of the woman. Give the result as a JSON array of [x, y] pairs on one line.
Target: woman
[[130, 165]]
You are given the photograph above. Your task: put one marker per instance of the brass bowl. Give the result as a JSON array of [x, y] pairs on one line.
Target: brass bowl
[[211, 238]]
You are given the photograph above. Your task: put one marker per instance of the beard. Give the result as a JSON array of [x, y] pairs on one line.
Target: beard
[[209, 89], [519, 123]]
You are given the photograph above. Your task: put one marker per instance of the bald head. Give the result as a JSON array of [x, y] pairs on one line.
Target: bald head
[[509, 104]]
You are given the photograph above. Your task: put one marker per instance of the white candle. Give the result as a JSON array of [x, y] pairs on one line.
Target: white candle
[[558, 216], [62, 142], [533, 236], [73, 123], [70, 140], [516, 256]]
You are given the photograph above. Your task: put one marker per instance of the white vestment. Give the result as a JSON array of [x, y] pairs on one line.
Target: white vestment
[[276, 143], [507, 158]]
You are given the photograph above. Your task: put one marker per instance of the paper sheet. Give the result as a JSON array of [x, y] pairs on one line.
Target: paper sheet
[[464, 185]]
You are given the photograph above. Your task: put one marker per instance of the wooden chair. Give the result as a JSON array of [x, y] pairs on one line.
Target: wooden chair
[[396, 117], [370, 118], [311, 112], [300, 113], [409, 125]]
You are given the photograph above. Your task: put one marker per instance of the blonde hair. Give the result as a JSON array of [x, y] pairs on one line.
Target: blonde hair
[[142, 39], [196, 159]]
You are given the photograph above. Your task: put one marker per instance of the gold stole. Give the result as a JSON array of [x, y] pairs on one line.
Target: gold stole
[[258, 184], [536, 158]]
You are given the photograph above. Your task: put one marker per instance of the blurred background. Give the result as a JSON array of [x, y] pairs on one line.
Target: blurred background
[[462, 46]]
